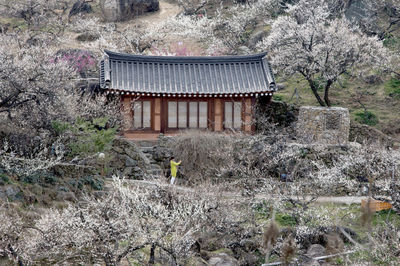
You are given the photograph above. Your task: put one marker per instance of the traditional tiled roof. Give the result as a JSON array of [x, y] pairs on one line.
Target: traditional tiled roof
[[186, 75]]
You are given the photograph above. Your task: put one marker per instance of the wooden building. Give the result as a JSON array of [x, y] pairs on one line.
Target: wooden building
[[165, 94]]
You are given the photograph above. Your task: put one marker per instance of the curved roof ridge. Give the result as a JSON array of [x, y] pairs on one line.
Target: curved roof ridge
[[184, 59]]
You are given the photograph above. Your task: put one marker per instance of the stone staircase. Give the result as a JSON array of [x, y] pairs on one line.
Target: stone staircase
[[147, 148]]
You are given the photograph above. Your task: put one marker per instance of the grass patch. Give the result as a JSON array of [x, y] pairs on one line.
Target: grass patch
[[277, 97], [14, 23], [386, 216], [392, 42], [367, 118], [392, 88], [285, 220], [89, 136]]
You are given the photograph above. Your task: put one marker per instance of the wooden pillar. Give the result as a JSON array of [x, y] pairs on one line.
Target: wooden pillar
[[210, 114], [163, 115], [157, 114], [218, 115], [127, 112], [248, 115], [254, 107]]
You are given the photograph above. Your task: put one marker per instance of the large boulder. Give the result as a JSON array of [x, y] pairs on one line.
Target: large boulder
[[316, 250], [128, 160], [80, 7], [121, 10], [10, 193], [222, 259], [195, 261], [88, 37]]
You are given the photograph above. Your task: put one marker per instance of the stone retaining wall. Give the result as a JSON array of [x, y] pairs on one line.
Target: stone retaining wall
[[323, 125]]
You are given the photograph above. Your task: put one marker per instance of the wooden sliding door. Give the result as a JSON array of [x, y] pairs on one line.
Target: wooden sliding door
[[187, 114]]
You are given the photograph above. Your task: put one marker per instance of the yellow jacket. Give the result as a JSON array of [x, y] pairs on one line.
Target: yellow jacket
[[174, 167]]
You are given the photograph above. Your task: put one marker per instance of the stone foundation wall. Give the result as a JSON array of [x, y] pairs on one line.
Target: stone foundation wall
[[323, 125]]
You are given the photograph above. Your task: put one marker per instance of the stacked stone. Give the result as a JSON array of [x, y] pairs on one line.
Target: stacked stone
[[321, 125]]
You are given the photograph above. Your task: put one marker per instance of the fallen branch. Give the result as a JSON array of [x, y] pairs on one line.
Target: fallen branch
[[350, 238]]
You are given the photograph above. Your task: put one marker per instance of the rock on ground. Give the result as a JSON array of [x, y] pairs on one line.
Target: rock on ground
[[316, 250], [121, 10], [80, 7], [128, 159], [222, 259], [195, 261]]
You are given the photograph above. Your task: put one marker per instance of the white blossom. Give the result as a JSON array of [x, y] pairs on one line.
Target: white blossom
[[309, 42]]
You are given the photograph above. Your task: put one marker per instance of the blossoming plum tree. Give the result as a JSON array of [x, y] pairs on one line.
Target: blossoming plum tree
[[122, 221], [33, 88], [308, 41]]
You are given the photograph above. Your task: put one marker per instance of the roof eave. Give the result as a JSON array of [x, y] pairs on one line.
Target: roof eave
[[184, 59]]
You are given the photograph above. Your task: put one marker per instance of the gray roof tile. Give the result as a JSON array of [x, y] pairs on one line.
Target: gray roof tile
[[170, 74]]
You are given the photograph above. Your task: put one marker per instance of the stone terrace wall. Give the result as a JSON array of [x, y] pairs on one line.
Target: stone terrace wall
[[323, 125]]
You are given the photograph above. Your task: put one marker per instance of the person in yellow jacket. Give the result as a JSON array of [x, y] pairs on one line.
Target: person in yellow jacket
[[174, 169]]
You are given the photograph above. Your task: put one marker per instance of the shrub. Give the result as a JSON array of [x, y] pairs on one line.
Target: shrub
[[392, 42], [204, 155], [285, 219], [49, 179], [4, 179], [31, 179], [263, 209], [60, 127], [39, 178], [367, 117], [91, 136], [93, 182], [277, 98]]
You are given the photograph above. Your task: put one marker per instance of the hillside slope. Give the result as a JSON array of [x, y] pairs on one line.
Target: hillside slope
[[372, 100]]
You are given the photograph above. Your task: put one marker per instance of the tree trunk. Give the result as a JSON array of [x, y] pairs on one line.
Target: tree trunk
[[314, 90], [14, 254], [326, 94], [151, 260], [109, 260], [170, 252]]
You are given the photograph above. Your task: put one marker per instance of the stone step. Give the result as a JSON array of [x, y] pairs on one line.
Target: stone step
[[156, 172], [147, 149], [147, 143]]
